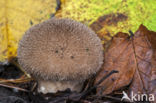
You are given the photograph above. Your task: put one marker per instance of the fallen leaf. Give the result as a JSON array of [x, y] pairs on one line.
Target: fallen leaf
[[152, 89], [102, 24], [144, 80], [119, 56], [16, 16], [133, 59]]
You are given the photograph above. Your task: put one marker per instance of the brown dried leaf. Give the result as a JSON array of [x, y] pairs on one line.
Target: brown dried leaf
[[144, 80], [153, 76], [120, 56], [133, 59]]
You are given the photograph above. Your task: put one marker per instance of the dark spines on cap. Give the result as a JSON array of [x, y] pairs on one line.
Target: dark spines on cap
[[60, 49]]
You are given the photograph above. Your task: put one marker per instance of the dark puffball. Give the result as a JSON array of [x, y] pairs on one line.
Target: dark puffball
[[60, 50]]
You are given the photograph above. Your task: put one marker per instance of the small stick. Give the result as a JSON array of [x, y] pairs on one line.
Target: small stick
[[21, 89], [15, 80], [83, 94], [17, 65], [131, 34], [98, 83]]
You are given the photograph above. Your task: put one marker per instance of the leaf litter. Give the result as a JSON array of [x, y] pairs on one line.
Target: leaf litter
[[129, 65]]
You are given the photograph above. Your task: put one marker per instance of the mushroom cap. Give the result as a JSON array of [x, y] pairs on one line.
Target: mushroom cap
[[60, 50]]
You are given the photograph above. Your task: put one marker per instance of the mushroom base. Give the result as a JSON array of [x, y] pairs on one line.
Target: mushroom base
[[54, 86]]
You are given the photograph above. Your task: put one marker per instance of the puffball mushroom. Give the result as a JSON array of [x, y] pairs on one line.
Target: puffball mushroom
[[60, 54]]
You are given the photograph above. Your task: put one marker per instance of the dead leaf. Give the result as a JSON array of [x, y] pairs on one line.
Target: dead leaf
[[133, 59], [144, 80], [16, 17], [100, 25], [120, 56], [153, 76]]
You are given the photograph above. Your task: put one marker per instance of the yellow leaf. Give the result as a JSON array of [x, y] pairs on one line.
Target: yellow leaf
[[16, 16]]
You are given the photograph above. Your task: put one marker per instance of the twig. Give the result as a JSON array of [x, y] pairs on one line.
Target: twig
[[21, 89], [58, 7], [83, 94], [15, 80], [98, 83], [17, 65]]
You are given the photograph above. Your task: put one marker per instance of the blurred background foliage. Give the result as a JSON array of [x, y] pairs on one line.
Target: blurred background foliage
[[105, 17]]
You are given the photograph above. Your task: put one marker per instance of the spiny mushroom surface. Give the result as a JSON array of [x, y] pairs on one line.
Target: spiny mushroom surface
[[61, 54]]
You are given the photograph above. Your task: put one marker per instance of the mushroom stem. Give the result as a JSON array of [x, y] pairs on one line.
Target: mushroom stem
[[54, 86]]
